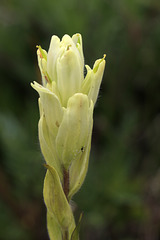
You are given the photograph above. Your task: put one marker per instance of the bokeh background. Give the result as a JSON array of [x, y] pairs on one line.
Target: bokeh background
[[121, 194]]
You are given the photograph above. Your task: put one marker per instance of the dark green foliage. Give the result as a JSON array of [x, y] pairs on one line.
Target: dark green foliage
[[121, 195]]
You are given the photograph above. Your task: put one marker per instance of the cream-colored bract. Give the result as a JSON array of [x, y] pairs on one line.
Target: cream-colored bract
[[62, 69], [66, 103]]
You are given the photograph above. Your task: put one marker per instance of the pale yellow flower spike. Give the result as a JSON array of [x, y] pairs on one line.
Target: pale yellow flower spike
[[66, 103]]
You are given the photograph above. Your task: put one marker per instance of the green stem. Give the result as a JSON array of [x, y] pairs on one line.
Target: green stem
[[65, 236], [66, 182], [66, 192]]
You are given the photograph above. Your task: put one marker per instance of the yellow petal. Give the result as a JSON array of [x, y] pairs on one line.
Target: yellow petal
[[69, 75], [47, 144], [51, 107], [73, 134], [79, 168], [92, 82]]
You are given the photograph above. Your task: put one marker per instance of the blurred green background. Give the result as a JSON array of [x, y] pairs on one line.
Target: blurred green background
[[121, 194]]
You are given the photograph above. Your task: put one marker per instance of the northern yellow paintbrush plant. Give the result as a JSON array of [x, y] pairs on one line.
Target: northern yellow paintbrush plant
[[66, 104]]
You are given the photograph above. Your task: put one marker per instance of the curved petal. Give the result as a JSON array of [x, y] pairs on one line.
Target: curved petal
[[78, 169], [69, 75], [75, 44], [53, 54], [77, 39], [86, 84], [67, 40], [47, 146], [92, 82], [42, 62], [51, 107], [74, 130]]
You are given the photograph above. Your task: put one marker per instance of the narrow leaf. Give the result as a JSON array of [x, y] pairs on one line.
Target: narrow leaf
[[55, 200], [75, 234]]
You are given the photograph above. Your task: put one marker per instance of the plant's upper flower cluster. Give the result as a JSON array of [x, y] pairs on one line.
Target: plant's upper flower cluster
[[62, 69], [66, 104]]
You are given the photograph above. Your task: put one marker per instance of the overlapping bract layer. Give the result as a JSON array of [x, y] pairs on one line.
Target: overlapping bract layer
[[66, 104]]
